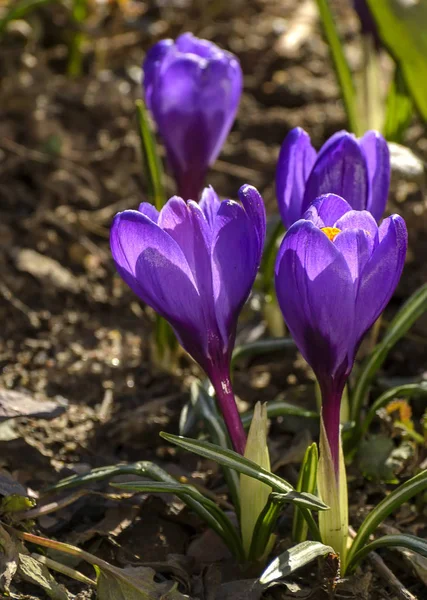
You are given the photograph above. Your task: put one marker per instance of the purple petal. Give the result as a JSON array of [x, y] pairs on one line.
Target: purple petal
[[296, 159], [378, 161], [316, 295], [358, 219], [255, 209], [151, 66], [153, 265], [187, 225], [194, 105], [149, 210], [339, 169], [356, 246], [209, 204], [235, 260], [327, 210], [188, 43], [381, 274]]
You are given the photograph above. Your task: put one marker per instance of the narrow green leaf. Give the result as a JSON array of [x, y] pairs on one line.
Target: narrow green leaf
[[233, 460], [261, 347], [402, 28], [187, 492], [293, 559], [405, 391], [413, 308], [266, 524], [402, 494], [279, 409], [342, 69], [152, 163], [306, 483], [142, 469], [399, 109], [411, 542]]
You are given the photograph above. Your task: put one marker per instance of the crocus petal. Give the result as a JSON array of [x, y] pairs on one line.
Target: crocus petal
[[151, 65], [378, 161], [149, 210], [209, 204], [356, 247], [189, 43], [235, 260], [255, 209], [381, 274], [339, 169], [187, 225], [358, 219], [326, 210], [316, 295], [296, 159], [153, 264]]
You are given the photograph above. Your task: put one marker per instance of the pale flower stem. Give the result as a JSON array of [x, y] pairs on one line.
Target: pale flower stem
[[228, 408]]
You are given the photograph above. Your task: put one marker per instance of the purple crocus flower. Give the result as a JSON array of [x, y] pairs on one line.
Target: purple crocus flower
[[336, 270], [368, 24], [356, 169], [195, 265], [192, 89]]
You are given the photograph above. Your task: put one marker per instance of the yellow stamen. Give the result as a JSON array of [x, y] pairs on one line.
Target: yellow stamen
[[331, 232]]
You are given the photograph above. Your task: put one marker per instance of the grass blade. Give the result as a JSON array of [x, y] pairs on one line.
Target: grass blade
[[399, 109], [261, 348]]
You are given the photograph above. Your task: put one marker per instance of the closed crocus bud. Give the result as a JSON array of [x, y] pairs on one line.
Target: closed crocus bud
[[192, 89], [253, 493], [336, 270], [356, 169], [195, 265]]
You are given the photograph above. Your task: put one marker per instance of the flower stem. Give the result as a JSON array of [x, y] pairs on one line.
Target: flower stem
[[331, 419], [228, 407]]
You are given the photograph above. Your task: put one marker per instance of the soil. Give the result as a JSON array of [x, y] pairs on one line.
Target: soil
[[72, 332]]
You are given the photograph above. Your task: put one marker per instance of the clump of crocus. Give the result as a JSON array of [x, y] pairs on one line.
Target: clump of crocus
[[192, 88], [195, 265], [356, 169], [336, 270]]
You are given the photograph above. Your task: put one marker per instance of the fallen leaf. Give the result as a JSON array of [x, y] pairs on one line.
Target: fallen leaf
[[8, 560], [133, 583], [15, 404], [33, 571]]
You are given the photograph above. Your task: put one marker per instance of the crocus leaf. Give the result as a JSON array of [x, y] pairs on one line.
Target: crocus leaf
[[233, 460], [152, 163], [147, 469], [411, 542], [218, 520], [293, 559], [262, 347], [341, 66], [401, 27], [307, 482], [413, 308], [399, 109], [389, 504]]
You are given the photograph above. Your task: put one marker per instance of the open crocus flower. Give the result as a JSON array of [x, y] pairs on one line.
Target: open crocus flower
[[192, 89], [356, 169], [195, 265], [336, 270]]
